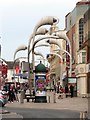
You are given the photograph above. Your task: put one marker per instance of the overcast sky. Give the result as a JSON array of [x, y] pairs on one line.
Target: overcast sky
[[19, 17]]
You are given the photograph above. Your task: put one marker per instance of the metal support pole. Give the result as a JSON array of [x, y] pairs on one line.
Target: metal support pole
[[22, 96], [30, 85], [54, 97], [48, 98]]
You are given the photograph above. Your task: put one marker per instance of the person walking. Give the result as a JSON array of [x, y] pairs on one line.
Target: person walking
[[71, 90], [66, 90], [11, 95], [58, 89], [55, 88], [16, 94]]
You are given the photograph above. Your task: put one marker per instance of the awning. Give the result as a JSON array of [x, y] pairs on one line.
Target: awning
[[23, 80], [21, 75]]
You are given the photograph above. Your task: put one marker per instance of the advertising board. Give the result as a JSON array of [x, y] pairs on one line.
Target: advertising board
[[40, 84]]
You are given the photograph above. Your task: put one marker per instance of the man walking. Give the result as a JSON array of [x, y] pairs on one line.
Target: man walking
[[71, 90], [66, 90]]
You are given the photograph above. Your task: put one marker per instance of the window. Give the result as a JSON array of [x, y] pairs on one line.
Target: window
[[82, 57], [81, 27]]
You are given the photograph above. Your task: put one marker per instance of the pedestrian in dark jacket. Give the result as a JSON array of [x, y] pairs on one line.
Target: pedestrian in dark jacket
[[66, 90], [11, 95], [71, 90]]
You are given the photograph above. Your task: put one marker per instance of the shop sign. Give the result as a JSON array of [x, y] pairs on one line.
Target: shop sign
[[71, 79]]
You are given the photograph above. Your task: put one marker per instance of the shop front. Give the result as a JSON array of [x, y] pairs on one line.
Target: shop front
[[73, 81]]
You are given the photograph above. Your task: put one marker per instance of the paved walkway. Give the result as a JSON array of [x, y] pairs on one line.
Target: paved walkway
[[75, 103]]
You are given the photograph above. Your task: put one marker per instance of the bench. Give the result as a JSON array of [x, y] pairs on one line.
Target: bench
[[28, 96]]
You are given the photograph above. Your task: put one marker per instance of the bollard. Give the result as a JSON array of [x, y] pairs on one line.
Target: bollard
[[83, 115], [48, 98], [21, 96], [54, 97]]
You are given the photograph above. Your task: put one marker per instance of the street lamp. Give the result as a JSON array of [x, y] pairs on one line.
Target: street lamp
[[17, 60], [43, 44], [40, 39], [22, 47], [39, 45], [38, 53], [40, 31], [61, 64], [62, 35], [47, 20], [58, 44], [56, 55]]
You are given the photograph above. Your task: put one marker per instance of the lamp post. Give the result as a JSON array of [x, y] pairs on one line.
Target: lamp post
[[58, 44], [47, 20], [39, 45], [38, 53], [19, 58], [61, 60], [60, 49], [62, 35], [16, 61], [56, 55], [22, 47], [40, 31], [40, 39]]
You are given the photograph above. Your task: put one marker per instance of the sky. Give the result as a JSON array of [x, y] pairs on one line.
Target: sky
[[19, 17]]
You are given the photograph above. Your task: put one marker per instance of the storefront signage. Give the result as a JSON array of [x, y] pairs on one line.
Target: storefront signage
[[71, 79]]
